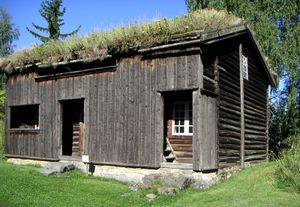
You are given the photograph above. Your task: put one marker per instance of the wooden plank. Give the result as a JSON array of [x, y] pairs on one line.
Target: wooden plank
[[81, 136], [197, 130]]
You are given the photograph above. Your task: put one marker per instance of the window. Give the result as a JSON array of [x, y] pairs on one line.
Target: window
[[23, 117], [183, 118], [245, 67]]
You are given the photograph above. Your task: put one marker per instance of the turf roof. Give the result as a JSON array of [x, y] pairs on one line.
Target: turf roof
[[120, 40]]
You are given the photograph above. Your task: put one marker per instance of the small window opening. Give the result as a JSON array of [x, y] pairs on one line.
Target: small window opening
[[245, 67], [23, 117]]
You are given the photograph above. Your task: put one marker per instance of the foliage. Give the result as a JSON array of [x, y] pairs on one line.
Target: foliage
[[121, 39], [2, 103], [276, 25], [288, 169], [196, 4], [23, 186], [50, 11], [8, 33], [1, 138]]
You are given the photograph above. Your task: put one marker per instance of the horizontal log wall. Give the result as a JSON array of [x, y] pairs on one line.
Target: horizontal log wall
[[255, 90], [123, 110], [229, 110], [255, 109]]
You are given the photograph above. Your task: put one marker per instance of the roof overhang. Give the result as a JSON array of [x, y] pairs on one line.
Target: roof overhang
[[215, 36], [243, 30]]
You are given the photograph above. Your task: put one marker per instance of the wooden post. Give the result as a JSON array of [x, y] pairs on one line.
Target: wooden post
[[242, 108], [267, 126], [217, 91], [81, 136]]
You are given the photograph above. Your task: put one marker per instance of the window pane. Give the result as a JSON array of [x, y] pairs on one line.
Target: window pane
[[181, 129], [182, 114], [182, 107]]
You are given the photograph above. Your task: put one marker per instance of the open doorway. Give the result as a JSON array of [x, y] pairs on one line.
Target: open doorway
[[178, 127], [72, 127]]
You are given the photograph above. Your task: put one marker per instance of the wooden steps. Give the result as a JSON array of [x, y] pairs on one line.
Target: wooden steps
[[77, 139], [179, 150]]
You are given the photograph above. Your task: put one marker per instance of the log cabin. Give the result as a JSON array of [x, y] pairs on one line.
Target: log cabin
[[196, 100]]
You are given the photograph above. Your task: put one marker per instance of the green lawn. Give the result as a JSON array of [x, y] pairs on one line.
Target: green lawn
[[24, 186]]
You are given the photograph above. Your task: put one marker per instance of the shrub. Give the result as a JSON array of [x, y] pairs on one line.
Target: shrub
[[288, 167], [1, 138]]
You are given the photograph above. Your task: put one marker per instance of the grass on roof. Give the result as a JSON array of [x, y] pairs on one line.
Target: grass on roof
[[119, 40]]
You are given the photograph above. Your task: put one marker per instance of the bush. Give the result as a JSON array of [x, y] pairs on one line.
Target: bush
[[288, 168], [1, 138]]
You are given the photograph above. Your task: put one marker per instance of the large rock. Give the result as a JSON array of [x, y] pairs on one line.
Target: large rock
[[167, 191], [151, 197], [56, 167], [170, 180], [203, 181]]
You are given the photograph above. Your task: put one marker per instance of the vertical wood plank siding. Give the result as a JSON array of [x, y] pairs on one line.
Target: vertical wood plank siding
[[123, 110]]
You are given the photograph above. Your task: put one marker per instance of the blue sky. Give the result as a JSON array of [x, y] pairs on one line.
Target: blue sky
[[92, 15]]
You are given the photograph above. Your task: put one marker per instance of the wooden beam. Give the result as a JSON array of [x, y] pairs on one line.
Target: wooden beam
[[242, 108], [209, 79], [169, 46], [76, 73], [30, 157]]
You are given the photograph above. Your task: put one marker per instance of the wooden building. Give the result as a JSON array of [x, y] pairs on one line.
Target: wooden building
[[198, 101]]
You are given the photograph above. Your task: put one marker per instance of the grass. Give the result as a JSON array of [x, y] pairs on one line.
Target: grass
[[23, 186], [288, 170], [119, 40]]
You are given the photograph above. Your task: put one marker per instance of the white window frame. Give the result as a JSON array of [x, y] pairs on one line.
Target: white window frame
[[245, 67], [186, 120]]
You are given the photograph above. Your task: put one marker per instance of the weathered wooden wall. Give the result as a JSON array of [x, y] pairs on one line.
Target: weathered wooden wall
[[123, 110], [255, 90], [229, 109], [23, 90], [231, 149]]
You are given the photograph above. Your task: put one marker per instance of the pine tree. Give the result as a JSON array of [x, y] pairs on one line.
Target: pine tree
[[50, 11]]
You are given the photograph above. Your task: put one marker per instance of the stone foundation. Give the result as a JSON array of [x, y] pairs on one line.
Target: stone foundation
[[139, 177]]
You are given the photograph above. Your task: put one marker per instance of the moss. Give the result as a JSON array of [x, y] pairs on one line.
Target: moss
[[119, 40]]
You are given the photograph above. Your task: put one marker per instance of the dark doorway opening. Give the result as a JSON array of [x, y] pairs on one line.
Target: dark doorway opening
[[178, 126], [72, 127]]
